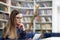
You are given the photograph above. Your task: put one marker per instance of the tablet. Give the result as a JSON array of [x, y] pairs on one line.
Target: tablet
[[36, 36]]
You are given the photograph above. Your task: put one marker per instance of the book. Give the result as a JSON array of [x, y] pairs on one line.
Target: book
[[30, 19], [27, 12], [40, 12], [49, 12], [48, 19], [48, 4], [6, 16], [19, 4], [37, 27], [30, 5], [24, 20], [3, 16], [30, 11], [0, 24], [51, 18], [4, 24], [23, 11], [43, 12], [43, 19], [0, 15], [37, 0], [1, 7], [6, 8], [48, 26], [45, 4], [29, 0], [43, 26], [27, 26]]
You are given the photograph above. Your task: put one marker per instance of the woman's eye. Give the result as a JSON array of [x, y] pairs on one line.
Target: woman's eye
[[19, 17]]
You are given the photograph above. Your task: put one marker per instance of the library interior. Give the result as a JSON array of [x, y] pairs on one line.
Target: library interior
[[37, 15]]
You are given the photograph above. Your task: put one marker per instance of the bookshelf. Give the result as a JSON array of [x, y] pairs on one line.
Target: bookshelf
[[4, 13], [27, 7], [44, 20]]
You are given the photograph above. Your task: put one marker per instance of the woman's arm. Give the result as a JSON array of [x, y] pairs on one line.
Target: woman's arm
[[22, 32]]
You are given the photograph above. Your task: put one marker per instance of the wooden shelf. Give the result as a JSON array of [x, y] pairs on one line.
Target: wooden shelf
[[44, 1], [39, 15], [4, 11], [4, 3], [3, 20], [45, 7], [44, 29], [24, 1], [21, 7], [39, 22]]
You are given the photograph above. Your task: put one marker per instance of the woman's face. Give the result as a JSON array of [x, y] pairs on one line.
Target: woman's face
[[18, 18]]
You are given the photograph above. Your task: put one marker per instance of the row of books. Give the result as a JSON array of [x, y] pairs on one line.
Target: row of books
[[40, 12], [47, 26], [39, 27], [45, 12], [44, 31], [2, 24], [3, 8], [25, 0], [30, 5], [26, 19], [27, 26], [4, 16], [22, 4], [28, 12], [25, 12], [43, 26], [31, 0], [37, 19], [43, 0], [46, 19], [44, 4], [3, 1]]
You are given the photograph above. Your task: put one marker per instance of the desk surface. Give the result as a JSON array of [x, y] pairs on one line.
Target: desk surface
[[52, 38]]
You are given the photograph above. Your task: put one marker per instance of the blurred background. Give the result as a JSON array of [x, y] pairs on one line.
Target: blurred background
[[37, 14]]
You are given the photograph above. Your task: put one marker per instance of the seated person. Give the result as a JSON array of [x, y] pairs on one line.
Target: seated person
[[15, 29]]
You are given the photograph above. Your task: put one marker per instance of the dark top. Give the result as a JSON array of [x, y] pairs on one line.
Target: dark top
[[21, 34]]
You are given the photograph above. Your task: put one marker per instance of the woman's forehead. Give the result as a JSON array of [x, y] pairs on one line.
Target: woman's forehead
[[19, 15]]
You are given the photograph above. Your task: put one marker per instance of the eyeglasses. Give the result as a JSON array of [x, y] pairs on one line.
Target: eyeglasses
[[19, 17]]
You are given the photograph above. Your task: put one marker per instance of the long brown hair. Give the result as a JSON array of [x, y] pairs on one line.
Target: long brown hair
[[10, 29]]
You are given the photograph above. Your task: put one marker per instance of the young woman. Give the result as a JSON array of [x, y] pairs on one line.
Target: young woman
[[15, 29]]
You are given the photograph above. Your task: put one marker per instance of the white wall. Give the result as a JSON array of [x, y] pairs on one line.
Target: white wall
[[56, 16]]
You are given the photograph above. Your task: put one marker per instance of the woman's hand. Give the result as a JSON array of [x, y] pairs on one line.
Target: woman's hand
[[21, 26]]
